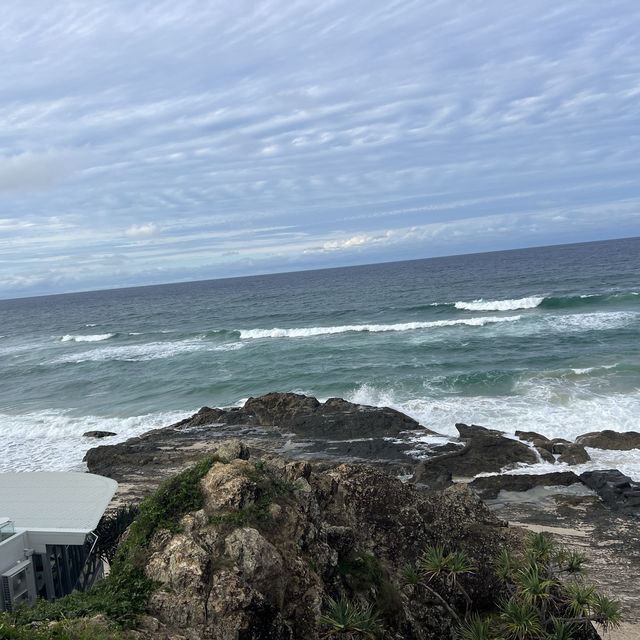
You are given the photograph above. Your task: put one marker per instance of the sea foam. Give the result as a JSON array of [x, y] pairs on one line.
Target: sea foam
[[134, 352], [98, 337], [541, 408], [500, 305], [306, 332], [51, 440]]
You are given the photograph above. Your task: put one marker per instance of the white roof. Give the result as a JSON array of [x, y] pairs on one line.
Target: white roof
[[55, 500]]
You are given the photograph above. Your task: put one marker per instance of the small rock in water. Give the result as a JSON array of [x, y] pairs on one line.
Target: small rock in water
[[98, 434]]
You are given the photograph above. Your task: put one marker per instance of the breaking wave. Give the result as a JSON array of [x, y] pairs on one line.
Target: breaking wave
[[499, 305], [97, 337], [306, 332]]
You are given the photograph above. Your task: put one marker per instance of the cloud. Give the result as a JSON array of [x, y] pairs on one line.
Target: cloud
[[29, 171], [142, 230], [347, 123]]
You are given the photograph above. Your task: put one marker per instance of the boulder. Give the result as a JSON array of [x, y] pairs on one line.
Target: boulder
[[531, 436], [573, 454], [607, 439], [98, 434], [485, 450], [545, 454], [336, 418], [616, 490]]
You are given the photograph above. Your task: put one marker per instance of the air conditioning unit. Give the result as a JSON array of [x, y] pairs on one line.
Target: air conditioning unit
[[17, 585]]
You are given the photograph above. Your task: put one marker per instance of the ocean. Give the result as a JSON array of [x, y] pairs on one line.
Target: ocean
[[544, 339]]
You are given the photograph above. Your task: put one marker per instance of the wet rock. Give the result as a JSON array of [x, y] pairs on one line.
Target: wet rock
[[558, 445], [607, 439], [485, 450], [573, 454], [336, 418], [617, 491], [488, 487], [545, 454], [531, 436], [98, 434]]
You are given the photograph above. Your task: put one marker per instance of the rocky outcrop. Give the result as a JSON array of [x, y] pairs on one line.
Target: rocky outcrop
[[298, 425], [485, 450], [617, 491], [276, 539], [608, 439]]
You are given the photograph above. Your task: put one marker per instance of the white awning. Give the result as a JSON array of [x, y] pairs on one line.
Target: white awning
[[63, 501]]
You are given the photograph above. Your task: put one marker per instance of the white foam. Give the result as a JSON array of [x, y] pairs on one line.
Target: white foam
[[578, 322], [563, 411], [51, 440], [587, 370], [134, 352], [624, 461], [231, 346], [98, 337], [500, 305], [307, 332]]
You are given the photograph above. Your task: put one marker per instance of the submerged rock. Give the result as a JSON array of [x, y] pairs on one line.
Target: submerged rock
[[98, 434]]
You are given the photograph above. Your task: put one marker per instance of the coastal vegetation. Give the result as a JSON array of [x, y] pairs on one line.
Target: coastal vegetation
[[122, 596], [373, 557]]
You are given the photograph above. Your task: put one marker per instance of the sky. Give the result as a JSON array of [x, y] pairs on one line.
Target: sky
[[149, 141]]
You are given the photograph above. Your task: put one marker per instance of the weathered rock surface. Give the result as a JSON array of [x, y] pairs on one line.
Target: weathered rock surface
[[347, 530], [617, 491], [290, 423], [607, 439], [485, 450]]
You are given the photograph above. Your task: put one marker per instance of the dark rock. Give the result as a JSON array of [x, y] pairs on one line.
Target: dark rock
[[447, 448], [485, 450], [573, 454], [370, 450], [607, 439], [336, 418], [277, 422], [488, 487], [545, 454], [98, 434], [280, 408], [531, 436], [558, 445], [617, 491]]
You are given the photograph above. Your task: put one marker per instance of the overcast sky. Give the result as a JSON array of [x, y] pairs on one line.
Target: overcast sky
[[150, 141]]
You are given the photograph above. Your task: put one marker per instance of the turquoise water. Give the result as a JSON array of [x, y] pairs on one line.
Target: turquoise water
[[545, 339]]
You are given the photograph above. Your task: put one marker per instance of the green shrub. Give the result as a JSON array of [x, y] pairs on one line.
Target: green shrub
[[122, 596]]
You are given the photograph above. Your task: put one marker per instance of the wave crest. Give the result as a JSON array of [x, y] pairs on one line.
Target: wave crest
[[500, 305], [307, 332], [98, 337]]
